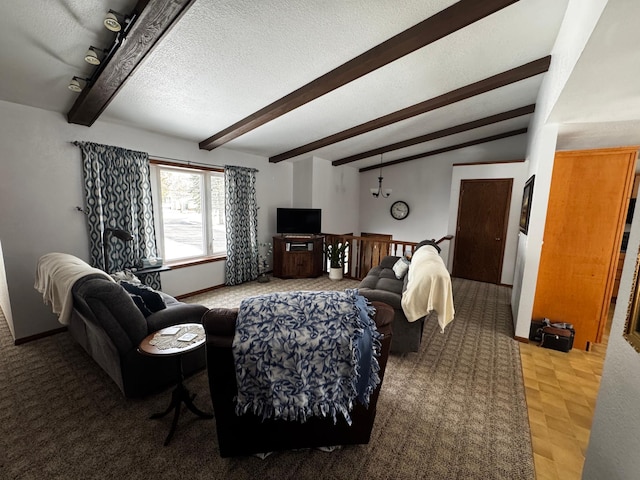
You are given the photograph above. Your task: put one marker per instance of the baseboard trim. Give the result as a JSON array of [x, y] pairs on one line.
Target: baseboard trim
[[198, 292], [522, 339], [38, 336], [205, 290]]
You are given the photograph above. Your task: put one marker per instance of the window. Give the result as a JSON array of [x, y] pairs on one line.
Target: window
[[190, 211]]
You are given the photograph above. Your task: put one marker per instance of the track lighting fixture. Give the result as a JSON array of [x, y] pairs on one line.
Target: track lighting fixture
[[92, 55], [112, 21], [116, 22], [74, 84]]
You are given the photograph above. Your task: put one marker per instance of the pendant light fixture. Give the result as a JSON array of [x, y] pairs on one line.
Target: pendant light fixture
[[378, 192]]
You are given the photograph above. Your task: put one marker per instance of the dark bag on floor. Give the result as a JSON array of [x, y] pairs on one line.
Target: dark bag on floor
[[558, 336], [535, 331]]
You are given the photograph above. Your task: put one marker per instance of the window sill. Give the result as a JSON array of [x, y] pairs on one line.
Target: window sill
[[174, 265]]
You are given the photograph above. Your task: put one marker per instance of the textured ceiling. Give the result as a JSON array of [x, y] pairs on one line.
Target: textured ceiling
[[224, 60]]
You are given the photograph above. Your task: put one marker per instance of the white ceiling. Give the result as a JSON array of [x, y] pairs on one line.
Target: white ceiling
[[226, 59], [600, 105]]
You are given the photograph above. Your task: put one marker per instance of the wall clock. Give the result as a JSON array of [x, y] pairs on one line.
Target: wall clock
[[399, 210]]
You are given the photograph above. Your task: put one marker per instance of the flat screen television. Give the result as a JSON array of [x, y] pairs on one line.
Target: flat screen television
[[299, 220]]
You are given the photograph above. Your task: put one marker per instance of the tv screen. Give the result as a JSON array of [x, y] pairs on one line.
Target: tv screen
[[299, 220]]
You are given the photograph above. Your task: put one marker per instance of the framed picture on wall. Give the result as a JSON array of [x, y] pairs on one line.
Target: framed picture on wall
[[525, 211]]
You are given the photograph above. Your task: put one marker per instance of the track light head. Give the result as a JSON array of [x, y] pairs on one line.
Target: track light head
[[74, 84], [92, 56], [112, 21]]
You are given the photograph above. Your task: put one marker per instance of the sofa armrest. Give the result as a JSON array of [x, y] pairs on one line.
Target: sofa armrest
[[220, 326], [384, 317], [175, 314]]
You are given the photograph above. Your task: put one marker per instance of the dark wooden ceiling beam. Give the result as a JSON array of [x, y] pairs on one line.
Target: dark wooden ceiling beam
[[482, 122], [443, 23], [153, 19], [491, 83], [479, 141]]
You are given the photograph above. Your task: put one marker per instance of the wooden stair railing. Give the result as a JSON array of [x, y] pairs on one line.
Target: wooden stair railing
[[364, 253]]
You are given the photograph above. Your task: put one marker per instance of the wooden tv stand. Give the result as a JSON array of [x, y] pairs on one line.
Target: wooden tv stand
[[297, 256]]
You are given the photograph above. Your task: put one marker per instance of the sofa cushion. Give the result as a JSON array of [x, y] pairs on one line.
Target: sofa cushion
[[153, 300], [388, 261]]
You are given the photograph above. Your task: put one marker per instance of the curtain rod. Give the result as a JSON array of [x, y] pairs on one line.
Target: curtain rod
[[177, 160], [186, 162]]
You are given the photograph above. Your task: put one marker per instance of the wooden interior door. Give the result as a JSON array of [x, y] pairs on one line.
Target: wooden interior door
[[587, 209], [483, 213]]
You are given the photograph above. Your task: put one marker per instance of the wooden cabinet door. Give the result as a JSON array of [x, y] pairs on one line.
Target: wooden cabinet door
[[297, 265], [585, 219]]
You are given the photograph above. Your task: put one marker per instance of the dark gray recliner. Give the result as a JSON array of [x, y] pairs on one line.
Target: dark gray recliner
[[109, 326], [381, 285]]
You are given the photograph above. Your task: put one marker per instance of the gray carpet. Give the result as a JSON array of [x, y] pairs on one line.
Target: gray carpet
[[454, 410]]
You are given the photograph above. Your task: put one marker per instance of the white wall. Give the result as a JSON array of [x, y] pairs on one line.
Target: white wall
[[5, 303], [318, 184], [541, 155], [427, 190], [302, 188], [578, 24], [516, 171], [41, 184], [614, 443], [336, 192]]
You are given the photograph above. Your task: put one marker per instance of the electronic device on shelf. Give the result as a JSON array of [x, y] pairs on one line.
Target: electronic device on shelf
[[299, 246]]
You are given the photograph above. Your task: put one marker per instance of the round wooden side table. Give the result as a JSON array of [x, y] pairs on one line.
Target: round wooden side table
[[175, 341]]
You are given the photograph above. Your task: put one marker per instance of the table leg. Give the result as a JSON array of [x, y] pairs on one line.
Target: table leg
[[179, 395]]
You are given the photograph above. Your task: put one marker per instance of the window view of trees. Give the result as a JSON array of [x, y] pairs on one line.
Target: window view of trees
[[192, 213], [218, 227]]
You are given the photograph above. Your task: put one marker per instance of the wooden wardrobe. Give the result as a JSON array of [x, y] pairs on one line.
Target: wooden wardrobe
[[588, 203]]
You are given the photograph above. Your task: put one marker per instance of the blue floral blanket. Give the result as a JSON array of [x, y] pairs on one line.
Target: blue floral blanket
[[303, 354]]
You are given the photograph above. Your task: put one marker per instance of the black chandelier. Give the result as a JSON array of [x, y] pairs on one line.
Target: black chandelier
[[378, 192]]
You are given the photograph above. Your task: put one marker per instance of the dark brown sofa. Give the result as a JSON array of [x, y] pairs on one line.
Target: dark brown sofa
[[249, 434]]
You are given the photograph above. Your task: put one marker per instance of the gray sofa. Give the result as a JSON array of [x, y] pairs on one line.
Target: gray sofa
[[381, 285], [106, 322]]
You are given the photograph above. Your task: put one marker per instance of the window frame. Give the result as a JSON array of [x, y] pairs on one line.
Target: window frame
[[206, 172]]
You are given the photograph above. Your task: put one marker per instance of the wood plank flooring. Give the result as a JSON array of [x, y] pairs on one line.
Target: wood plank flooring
[[561, 390]]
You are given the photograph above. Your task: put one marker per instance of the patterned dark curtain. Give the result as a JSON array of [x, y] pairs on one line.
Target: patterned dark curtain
[[242, 224], [118, 196]]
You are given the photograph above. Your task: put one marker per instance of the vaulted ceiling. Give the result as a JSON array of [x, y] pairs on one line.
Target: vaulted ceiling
[[346, 81]]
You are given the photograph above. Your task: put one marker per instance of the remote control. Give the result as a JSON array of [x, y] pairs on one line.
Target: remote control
[[187, 337]]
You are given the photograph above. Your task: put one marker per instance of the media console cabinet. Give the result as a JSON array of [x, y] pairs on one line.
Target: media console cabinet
[[297, 256]]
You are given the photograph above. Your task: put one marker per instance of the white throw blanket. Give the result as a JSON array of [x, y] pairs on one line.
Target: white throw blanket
[[55, 275], [428, 287]]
